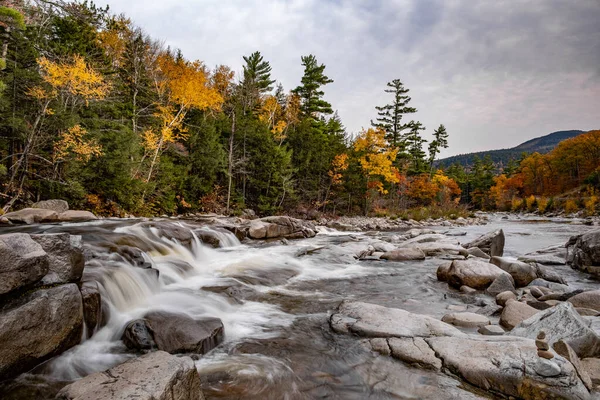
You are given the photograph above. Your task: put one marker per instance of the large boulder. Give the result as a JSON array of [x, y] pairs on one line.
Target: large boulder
[[589, 299], [509, 366], [549, 274], [515, 312], [154, 376], [522, 273], [492, 243], [23, 262], [56, 205], [38, 326], [474, 273], [561, 322], [586, 252], [175, 333], [280, 227], [407, 254], [65, 257], [31, 216], [371, 320], [76, 216], [503, 283]]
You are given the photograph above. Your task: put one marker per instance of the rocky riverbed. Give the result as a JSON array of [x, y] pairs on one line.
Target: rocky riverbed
[[277, 308]]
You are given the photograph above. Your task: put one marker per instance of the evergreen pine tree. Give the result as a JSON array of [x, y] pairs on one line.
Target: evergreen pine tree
[[414, 148], [313, 105], [440, 141], [390, 115]]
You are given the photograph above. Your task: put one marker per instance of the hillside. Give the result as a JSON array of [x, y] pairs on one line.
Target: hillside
[[543, 144]]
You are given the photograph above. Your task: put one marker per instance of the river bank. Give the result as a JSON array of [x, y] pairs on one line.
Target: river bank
[[287, 308]]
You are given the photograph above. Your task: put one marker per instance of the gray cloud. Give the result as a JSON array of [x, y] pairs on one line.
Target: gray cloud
[[495, 72]]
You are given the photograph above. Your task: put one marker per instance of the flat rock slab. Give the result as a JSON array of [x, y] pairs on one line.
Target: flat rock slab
[[371, 320], [510, 366], [466, 319], [414, 351], [154, 376], [561, 322], [491, 330], [65, 257]]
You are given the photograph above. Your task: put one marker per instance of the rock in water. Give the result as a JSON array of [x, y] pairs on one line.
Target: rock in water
[[23, 262], [31, 216], [586, 251], [154, 376], [58, 206], [176, 333], [522, 273], [76, 216], [371, 320], [474, 273], [466, 319], [504, 365], [589, 299], [92, 306], [561, 322], [407, 254], [138, 336], [491, 243], [38, 326], [279, 227], [65, 257], [414, 351], [514, 312]]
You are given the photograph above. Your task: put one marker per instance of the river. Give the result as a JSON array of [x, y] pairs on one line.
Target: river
[[274, 299]]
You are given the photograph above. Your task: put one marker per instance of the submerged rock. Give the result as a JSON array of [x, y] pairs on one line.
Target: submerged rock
[[76, 216], [23, 262], [154, 376], [38, 326], [492, 243], [92, 306]]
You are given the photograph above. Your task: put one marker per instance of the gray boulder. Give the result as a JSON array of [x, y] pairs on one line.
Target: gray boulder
[[544, 259], [371, 320], [65, 257], [515, 312], [492, 243], [281, 227], [474, 273], [24, 262], [522, 273], [30, 216], [510, 366], [561, 322], [92, 306], [174, 333], [586, 252], [406, 254], [38, 326], [477, 252], [76, 216], [491, 330], [56, 205], [154, 376], [549, 274], [503, 283], [414, 351]]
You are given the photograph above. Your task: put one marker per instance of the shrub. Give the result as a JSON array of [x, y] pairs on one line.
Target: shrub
[[542, 204], [516, 204], [571, 206], [530, 203]]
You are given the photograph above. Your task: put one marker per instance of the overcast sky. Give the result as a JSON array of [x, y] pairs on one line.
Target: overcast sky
[[495, 72]]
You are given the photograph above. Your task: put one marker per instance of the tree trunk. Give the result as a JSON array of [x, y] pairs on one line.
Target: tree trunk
[[230, 162]]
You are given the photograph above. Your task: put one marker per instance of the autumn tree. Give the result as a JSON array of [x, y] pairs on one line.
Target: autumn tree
[[390, 115], [414, 148]]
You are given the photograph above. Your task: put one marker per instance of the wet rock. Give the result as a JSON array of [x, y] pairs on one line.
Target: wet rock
[[491, 243], [549, 274], [467, 290], [544, 259], [522, 273], [38, 326], [414, 351], [138, 336], [56, 205], [209, 238], [514, 313], [507, 365], [589, 299], [179, 333], [65, 257], [407, 254], [555, 287], [490, 310], [477, 252], [473, 273], [504, 297], [30, 216], [24, 262], [561, 322], [503, 283], [281, 226], [562, 348], [383, 247], [371, 320], [76, 216], [586, 251], [491, 330], [440, 249], [154, 376], [442, 272], [466, 319], [92, 306]]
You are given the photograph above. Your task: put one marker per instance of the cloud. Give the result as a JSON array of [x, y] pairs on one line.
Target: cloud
[[495, 73]]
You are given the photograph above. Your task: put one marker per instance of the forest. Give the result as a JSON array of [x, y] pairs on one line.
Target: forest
[[95, 111]]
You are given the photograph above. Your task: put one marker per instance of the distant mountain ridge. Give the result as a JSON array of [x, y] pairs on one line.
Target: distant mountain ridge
[[542, 144]]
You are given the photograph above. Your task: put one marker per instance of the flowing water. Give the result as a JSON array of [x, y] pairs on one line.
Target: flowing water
[[274, 300]]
